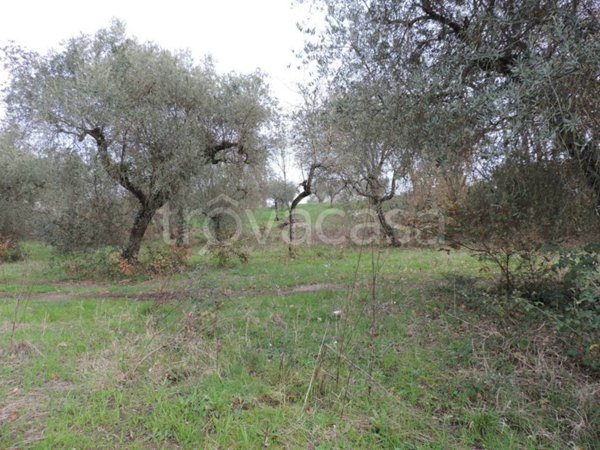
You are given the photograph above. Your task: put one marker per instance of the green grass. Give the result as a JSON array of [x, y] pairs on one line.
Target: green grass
[[249, 358]]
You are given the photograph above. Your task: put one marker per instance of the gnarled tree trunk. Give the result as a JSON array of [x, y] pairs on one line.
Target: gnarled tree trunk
[[388, 231], [152, 199], [140, 225], [306, 191], [180, 228]]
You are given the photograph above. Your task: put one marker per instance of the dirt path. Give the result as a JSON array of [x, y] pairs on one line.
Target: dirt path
[[175, 294]]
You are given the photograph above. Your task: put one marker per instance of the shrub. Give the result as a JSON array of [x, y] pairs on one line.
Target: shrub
[[517, 217], [165, 260], [528, 219], [106, 263], [567, 296], [225, 254], [578, 319], [545, 200], [10, 251]]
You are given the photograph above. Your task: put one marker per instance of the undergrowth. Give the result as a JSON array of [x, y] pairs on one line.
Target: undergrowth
[[398, 354]]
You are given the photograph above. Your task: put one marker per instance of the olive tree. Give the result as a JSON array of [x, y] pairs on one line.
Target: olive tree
[[312, 140], [281, 188], [80, 207], [151, 117], [370, 151], [22, 179], [526, 71], [329, 186], [281, 193]]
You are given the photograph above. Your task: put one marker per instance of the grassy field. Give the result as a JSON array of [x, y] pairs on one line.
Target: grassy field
[[283, 353]]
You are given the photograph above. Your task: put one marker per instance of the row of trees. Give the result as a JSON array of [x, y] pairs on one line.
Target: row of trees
[[449, 103]]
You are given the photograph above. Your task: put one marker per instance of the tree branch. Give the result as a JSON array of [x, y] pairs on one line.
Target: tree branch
[[306, 186], [502, 64], [213, 151], [441, 19], [117, 172]]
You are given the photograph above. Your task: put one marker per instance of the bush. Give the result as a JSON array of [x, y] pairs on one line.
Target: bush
[[109, 264], [226, 254], [578, 319], [517, 218], [566, 294], [106, 263], [10, 251], [524, 202], [161, 260], [528, 220]]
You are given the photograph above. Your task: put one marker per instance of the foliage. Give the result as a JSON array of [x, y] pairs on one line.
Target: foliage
[[280, 192], [559, 286], [10, 251], [467, 87], [164, 260], [105, 263], [225, 254], [578, 320], [529, 219], [332, 187], [22, 179], [80, 208], [519, 213], [151, 117]]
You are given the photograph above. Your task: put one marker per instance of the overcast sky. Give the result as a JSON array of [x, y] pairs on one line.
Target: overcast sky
[[241, 35]]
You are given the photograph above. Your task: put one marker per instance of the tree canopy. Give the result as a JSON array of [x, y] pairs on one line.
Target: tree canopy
[[477, 79], [150, 116]]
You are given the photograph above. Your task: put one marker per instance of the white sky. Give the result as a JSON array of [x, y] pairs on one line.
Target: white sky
[[241, 35]]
